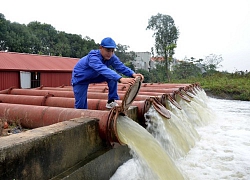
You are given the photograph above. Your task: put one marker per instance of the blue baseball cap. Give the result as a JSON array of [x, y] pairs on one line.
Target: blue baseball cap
[[108, 43]]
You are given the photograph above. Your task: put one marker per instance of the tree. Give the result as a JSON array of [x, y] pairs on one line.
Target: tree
[[122, 52], [75, 43], [186, 69], [18, 38], [211, 62], [166, 35], [62, 47], [146, 74], [126, 57], [3, 32], [46, 34]]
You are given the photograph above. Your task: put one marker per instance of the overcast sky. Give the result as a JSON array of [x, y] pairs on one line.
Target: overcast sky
[[220, 27]]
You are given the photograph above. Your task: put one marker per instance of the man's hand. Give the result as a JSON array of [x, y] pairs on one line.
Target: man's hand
[[139, 75], [129, 81]]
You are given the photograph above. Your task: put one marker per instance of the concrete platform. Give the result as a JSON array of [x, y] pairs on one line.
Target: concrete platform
[[66, 150]]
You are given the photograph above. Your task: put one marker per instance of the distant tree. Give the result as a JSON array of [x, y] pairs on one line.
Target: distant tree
[[38, 38], [75, 44], [3, 32], [62, 46], [211, 62], [122, 52], [46, 34], [89, 44], [186, 69], [158, 75], [19, 38], [126, 57], [130, 65], [146, 74], [166, 35]]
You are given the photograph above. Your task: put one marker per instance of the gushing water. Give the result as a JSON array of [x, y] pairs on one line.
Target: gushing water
[[147, 149], [181, 114], [218, 144], [171, 133]]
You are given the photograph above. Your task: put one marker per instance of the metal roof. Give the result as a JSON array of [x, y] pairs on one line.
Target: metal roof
[[11, 61]]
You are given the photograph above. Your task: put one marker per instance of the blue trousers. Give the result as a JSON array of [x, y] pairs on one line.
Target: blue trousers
[[81, 90]]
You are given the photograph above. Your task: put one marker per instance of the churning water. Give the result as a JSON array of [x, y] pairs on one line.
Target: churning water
[[215, 146]]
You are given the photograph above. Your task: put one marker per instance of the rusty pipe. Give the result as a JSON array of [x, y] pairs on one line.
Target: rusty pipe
[[181, 95], [125, 88], [149, 93], [169, 97], [30, 116], [165, 85], [93, 104], [33, 92], [53, 88], [47, 100], [101, 88], [91, 95]]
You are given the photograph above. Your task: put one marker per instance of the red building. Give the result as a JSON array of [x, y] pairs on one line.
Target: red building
[[21, 70]]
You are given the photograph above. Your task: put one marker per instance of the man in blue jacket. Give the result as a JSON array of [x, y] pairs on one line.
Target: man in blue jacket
[[94, 68]]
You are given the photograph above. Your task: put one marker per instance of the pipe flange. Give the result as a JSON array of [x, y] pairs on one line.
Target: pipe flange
[[130, 95], [112, 134], [181, 95], [160, 108], [190, 89], [183, 91], [43, 103], [62, 86], [9, 90], [175, 103], [123, 88], [104, 89]]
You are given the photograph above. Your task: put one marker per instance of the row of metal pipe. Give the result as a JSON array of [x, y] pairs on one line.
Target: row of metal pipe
[[47, 105]]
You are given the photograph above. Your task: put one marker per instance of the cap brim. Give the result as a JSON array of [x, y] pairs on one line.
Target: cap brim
[[110, 47]]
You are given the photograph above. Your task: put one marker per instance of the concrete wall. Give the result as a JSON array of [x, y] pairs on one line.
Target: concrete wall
[[67, 150]]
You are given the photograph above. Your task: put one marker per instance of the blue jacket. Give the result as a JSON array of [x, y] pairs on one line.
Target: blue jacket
[[92, 65]]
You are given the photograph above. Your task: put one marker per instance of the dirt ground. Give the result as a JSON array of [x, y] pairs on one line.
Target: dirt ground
[[7, 129]]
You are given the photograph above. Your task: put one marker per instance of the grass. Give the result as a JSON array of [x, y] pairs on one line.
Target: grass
[[235, 86]]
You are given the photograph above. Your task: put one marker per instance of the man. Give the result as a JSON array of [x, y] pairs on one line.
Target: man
[[94, 68]]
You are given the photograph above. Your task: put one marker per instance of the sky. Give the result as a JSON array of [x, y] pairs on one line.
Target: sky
[[220, 27]]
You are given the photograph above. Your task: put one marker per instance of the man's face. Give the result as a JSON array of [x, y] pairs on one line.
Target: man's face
[[107, 53]]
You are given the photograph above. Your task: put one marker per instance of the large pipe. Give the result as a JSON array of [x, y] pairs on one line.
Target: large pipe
[[146, 89], [124, 87], [30, 116], [93, 104], [166, 85], [53, 88], [33, 92], [70, 94], [121, 88], [70, 102], [101, 89], [47, 100]]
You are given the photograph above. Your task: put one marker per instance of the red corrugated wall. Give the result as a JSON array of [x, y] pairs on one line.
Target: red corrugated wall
[[9, 79], [55, 79]]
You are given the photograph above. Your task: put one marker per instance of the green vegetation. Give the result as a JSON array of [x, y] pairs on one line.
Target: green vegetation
[[225, 85], [220, 84]]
